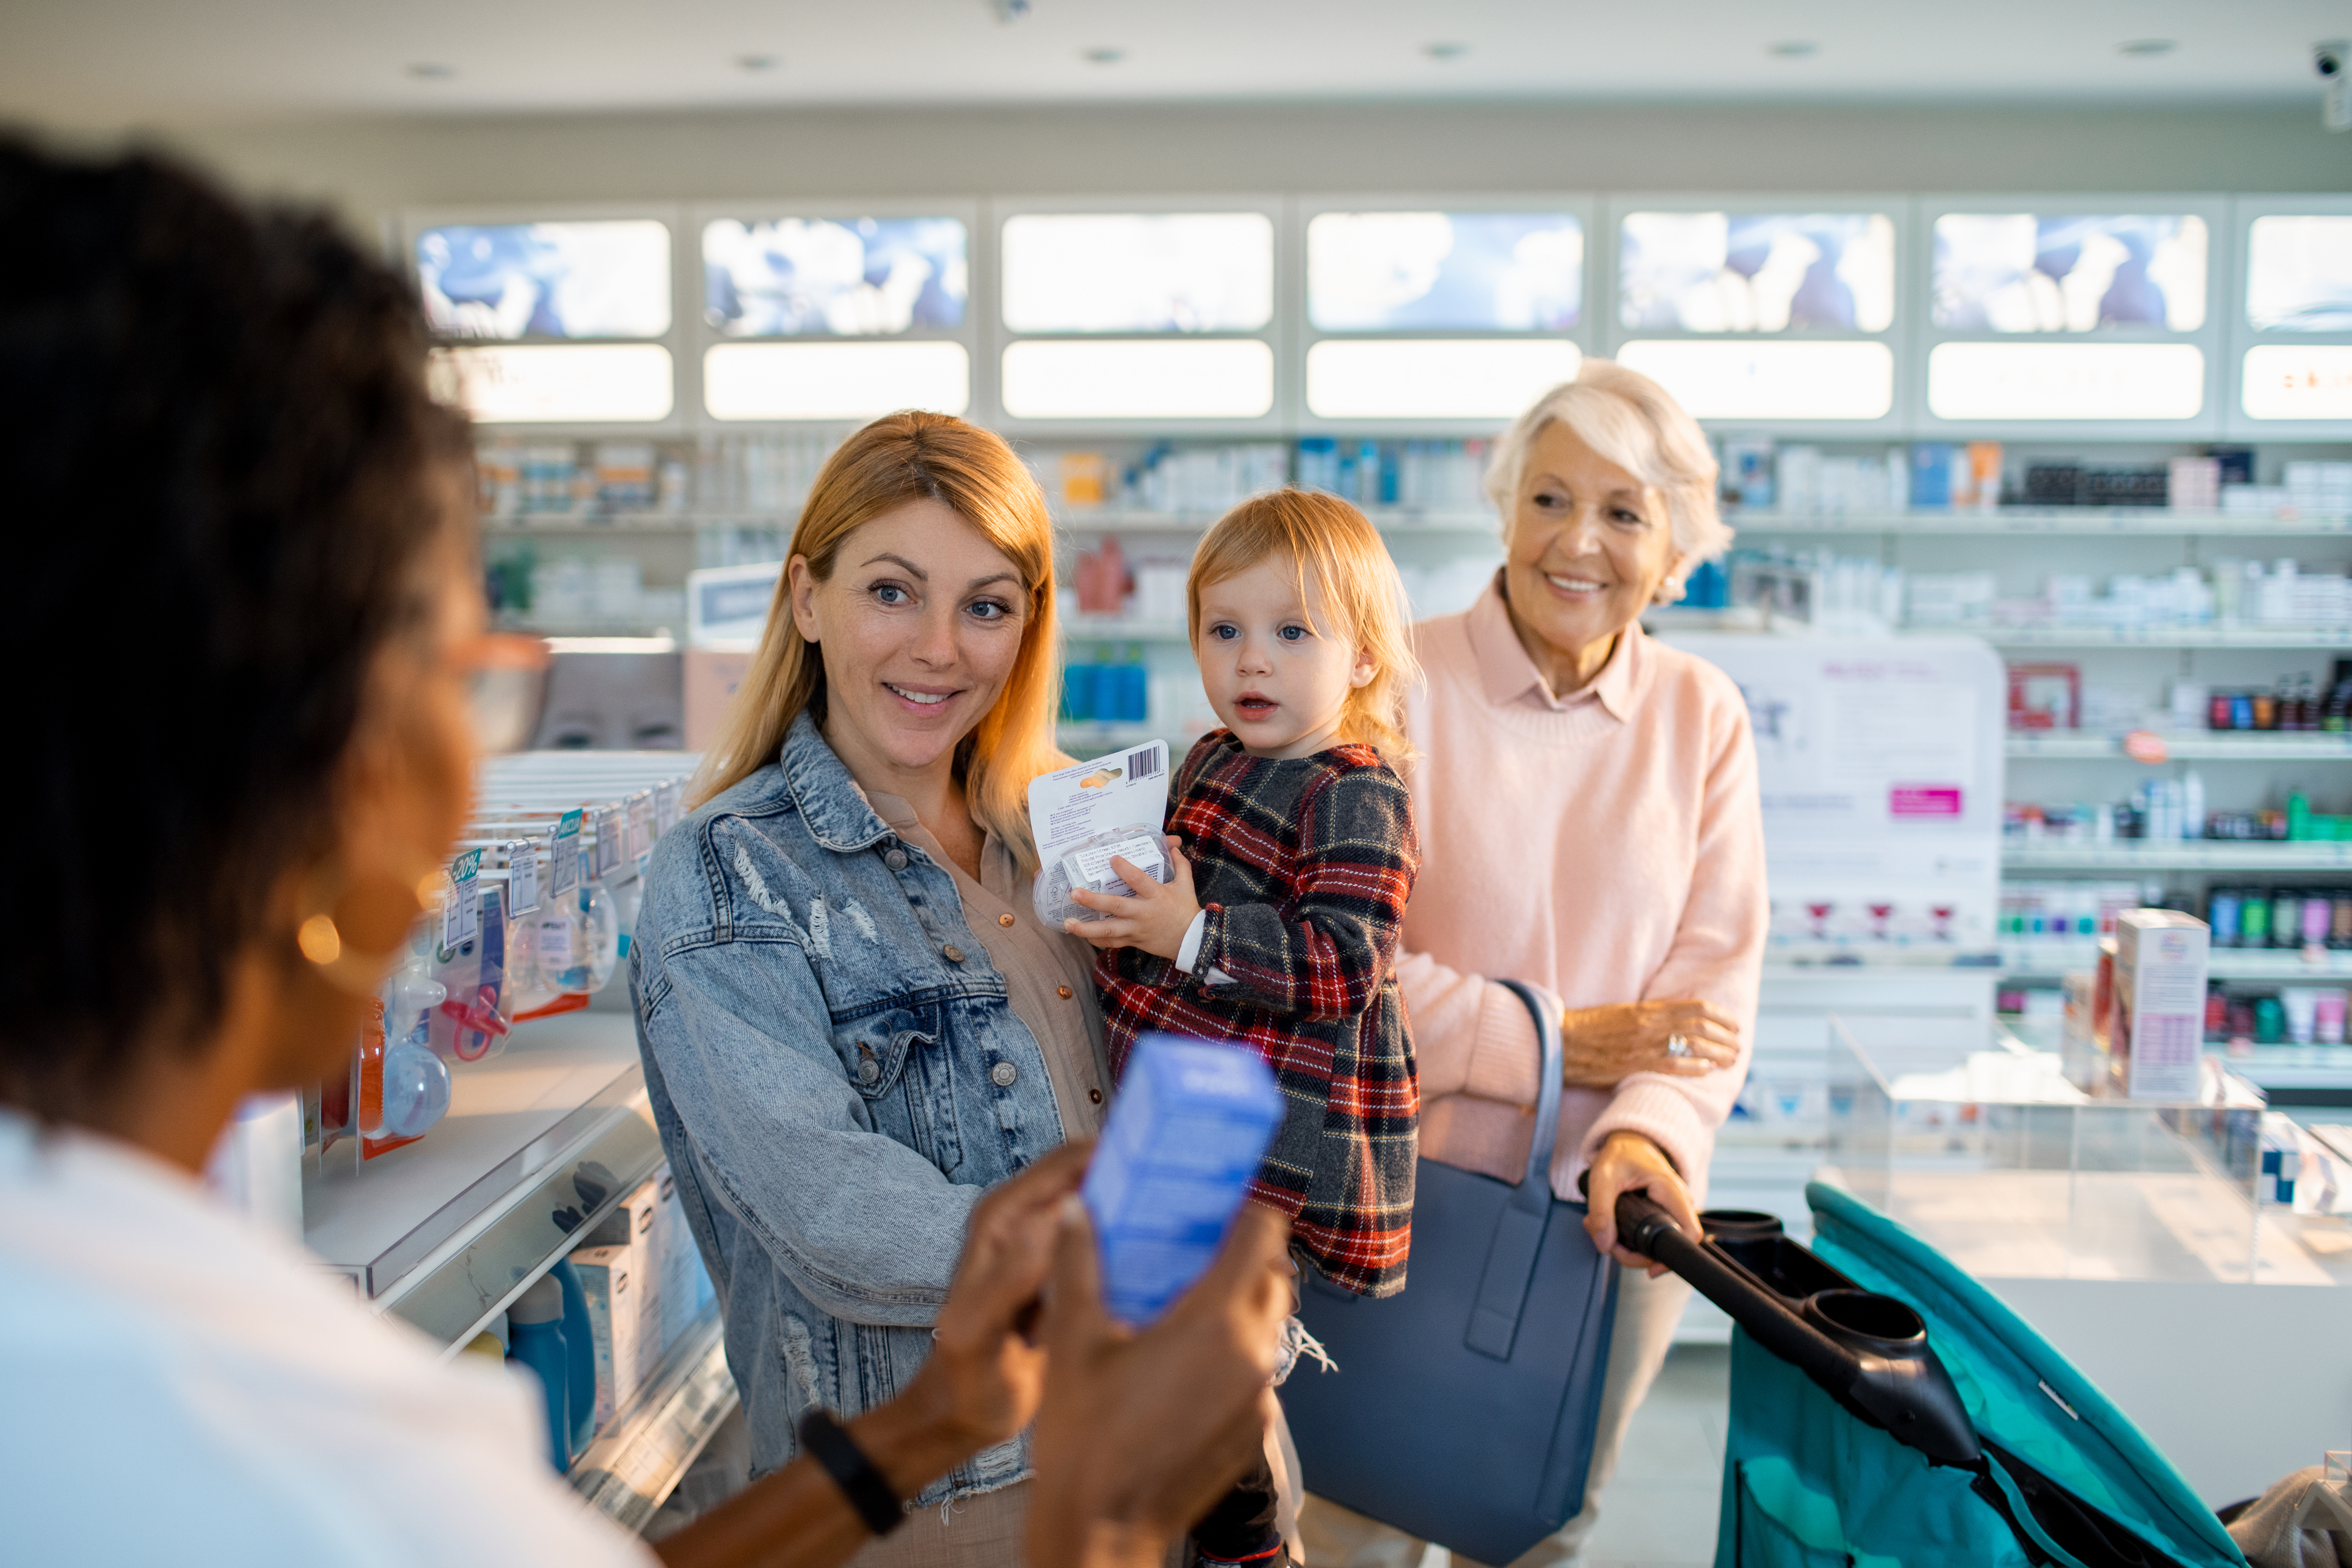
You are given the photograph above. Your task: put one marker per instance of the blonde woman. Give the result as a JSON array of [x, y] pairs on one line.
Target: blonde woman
[[852, 1023], [1590, 825]]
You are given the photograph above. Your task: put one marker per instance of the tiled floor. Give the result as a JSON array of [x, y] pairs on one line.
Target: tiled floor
[[1659, 1510]]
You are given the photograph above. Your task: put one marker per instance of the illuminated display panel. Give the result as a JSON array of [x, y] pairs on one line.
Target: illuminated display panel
[[1448, 272], [2028, 272], [2299, 274], [1996, 381], [1770, 379], [1137, 272], [606, 278], [1201, 378], [532, 383], [2297, 381], [1423, 378], [867, 277], [834, 381], [1755, 272]]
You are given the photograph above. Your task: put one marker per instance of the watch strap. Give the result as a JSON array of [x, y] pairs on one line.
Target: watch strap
[[830, 1444]]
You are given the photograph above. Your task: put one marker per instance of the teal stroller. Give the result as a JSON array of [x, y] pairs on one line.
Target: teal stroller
[[1886, 1409]]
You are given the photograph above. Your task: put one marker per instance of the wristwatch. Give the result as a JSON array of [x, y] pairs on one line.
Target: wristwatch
[[830, 1444]]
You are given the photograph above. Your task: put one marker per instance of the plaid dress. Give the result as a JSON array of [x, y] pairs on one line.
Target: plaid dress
[[1303, 867]]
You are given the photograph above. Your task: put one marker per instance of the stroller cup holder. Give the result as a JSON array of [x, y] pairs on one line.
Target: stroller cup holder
[[1867, 1351]]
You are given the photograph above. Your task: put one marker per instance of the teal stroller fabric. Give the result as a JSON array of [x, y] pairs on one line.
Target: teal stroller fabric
[[1806, 1483]]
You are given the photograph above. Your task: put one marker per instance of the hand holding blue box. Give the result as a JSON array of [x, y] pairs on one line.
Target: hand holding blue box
[[1183, 1139]]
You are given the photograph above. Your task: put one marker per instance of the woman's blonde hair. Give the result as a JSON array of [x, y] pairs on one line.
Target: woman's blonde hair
[[898, 458], [1635, 423], [1361, 586]]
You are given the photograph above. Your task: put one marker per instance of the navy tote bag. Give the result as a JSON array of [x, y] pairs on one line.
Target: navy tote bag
[[1463, 1408]]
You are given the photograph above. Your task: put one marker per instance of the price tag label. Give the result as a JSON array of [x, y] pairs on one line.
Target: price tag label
[[610, 830], [461, 912], [667, 802], [641, 828], [522, 876], [563, 856]]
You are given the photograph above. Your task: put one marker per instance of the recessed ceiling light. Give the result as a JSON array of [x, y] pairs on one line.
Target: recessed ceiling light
[[432, 70], [1445, 51], [1794, 49], [2145, 48], [757, 62], [1102, 57]]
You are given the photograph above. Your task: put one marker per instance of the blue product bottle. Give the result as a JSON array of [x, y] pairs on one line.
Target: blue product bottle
[[580, 1338], [535, 1338]]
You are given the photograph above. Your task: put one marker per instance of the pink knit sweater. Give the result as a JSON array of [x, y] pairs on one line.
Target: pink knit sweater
[[1606, 847]]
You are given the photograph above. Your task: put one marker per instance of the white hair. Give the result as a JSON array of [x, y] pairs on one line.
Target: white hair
[[1634, 423]]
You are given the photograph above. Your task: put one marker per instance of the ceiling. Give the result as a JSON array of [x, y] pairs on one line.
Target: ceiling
[[114, 62]]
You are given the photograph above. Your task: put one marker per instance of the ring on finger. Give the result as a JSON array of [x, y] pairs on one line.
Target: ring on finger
[[1678, 1047]]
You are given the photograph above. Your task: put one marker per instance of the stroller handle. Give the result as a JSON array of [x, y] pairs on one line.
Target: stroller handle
[[1868, 1351]]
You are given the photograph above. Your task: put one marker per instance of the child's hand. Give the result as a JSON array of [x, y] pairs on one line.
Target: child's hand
[[1154, 920]]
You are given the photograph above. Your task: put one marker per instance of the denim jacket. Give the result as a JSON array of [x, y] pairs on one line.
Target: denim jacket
[[837, 1076]]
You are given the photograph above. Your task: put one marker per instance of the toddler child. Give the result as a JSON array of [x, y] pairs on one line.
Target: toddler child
[[1281, 931]]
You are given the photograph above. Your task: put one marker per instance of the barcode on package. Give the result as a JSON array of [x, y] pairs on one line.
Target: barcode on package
[[1147, 762]]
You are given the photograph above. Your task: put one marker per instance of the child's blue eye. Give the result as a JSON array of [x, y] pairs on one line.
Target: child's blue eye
[[1292, 633], [1223, 633]]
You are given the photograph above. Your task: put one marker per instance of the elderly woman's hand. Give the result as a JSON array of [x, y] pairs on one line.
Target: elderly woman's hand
[[1603, 1046], [1629, 1163]]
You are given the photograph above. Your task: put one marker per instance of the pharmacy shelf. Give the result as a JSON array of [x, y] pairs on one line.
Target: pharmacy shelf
[[2160, 636], [2128, 520], [540, 1143], [2191, 854], [572, 525], [2195, 746], [1093, 740], [2286, 965], [637, 1460]]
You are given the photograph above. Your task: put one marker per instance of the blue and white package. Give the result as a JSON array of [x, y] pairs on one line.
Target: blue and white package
[[1183, 1139]]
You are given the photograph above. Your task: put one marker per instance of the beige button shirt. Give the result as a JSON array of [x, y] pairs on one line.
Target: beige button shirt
[[1049, 976]]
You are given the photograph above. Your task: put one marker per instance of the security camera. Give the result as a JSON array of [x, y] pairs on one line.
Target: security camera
[[2332, 62]]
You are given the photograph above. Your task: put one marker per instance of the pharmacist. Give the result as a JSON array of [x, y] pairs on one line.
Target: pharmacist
[[248, 594], [1590, 825]]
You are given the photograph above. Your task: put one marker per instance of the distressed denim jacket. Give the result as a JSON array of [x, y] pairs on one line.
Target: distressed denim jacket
[[837, 1076]]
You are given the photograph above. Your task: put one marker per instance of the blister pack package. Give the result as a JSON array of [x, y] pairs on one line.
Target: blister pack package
[[1083, 815]]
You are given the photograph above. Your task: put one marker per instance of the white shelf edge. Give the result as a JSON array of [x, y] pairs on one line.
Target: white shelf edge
[[2285, 964], [2212, 747]]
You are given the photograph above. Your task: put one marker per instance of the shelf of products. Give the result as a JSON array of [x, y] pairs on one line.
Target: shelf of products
[[2186, 854], [2155, 521], [2165, 636], [637, 1460], [2194, 745], [2286, 965]]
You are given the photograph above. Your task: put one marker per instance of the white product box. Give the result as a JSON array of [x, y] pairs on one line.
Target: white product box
[[2158, 1028], [608, 1276], [636, 1224], [685, 1287]]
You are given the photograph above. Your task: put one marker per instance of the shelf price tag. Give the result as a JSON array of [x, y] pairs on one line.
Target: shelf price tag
[[641, 827], [522, 876], [563, 856], [461, 910], [668, 799], [609, 832]]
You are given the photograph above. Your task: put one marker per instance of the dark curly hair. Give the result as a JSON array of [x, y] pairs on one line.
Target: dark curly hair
[[221, 469]]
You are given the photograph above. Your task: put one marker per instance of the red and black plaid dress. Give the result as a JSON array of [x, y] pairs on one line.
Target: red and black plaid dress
[[1303, 867]]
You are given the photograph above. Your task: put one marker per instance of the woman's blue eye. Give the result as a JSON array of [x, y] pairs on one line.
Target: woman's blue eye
[[889, 593], [990, 610]]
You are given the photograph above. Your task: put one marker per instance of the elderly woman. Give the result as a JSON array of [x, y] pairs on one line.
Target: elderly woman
[[1590, 825]]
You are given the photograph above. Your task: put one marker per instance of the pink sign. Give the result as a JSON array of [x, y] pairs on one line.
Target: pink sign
[[1924, 800]]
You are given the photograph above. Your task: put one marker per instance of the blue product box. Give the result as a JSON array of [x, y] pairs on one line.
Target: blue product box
[[1931, 475], [1183, 1139]]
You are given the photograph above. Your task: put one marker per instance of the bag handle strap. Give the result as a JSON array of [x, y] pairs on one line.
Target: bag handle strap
[[1534, 1188], [1519, 1229]]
